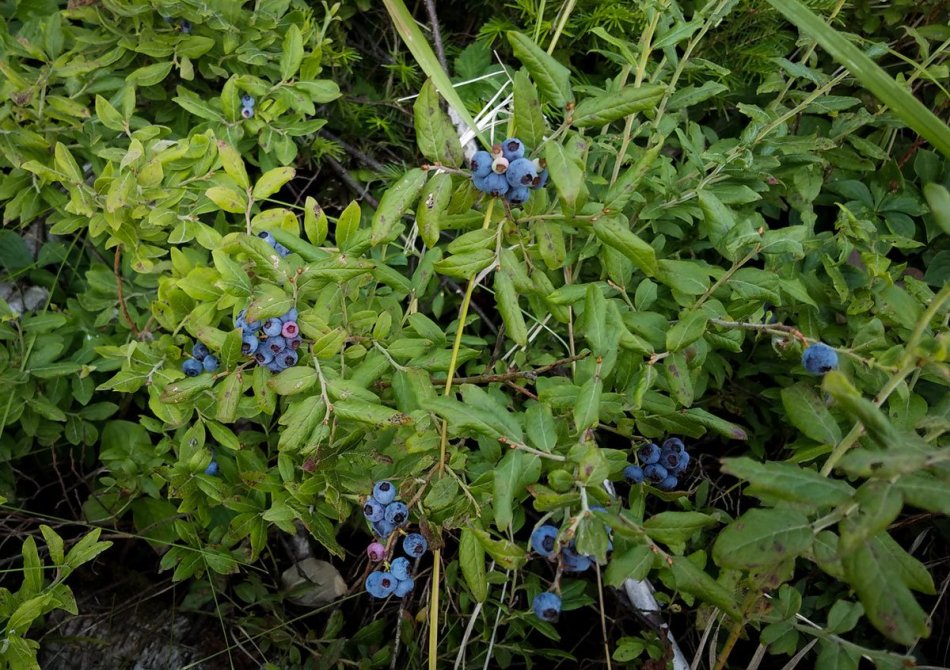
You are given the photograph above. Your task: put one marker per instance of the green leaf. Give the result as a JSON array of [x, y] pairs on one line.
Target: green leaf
[[233, 164], [717, 220], [109, 115], [587, 406], [506, 298], [293, 380], [894, 95], [925, 492], [410, 33], [865, 411], [272, 181], [635, 563], [472, 563], [227, 397], [395, 201], [507, 554], [763, 537], [691, 579], [464, 266], [687, 330], [567, 175], [540, 426], [614, 232], [787, 481], [433, 205], [529, 124], [186, 389], [291, 54], [435, 133], [367, 412], [227, 199], [808, 413], [552, 78], [609, 106], [676, 372], [507, 475], [674, 528]]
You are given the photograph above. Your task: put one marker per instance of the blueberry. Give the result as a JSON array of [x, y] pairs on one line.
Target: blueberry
[[540, 180], [655, 472], [199, 351], [212, 468], [404, 588], [819, 358], [384, 492], [210, 363], [247, 112], [185, 27], [397, 513], [192, 367], [267, 237], [649, 454], [276, 366], [380, 584], [281, 249], [290, 329], [668, 484], [374, 511], [291, 315], [276, 345], [671, 460], [521, 172], [481, 164], [249, 344], [400, 568], [547, 606], [415, 545], [574, 562], [383, 528], [633, 474], [481, 183], [242, 322], [496, 185], [376, 552], [263, 357], [518, 195], [287, 358], [543, 539], [676, 444], [248, 101], [293, 343], [272, 327], [512, 148]]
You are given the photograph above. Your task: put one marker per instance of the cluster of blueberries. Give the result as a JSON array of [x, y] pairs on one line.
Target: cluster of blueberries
[[383, 511], [201, 360], [505, 172], [273, 343], [247, 106], [819, 358], [397, 580], [660, 465]]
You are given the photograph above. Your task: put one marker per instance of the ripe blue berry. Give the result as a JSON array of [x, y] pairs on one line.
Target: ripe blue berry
[[249, 344], [521, 172], [400, 568], [384, 492], [247, 112], [676, 444], [415, 545], [245, 325], [199, 351], [397, 513], [481, 164], [518, 195], [272, 327], [293, 343], [263, 356], [383, 528], [543, 539], [281, 249], [291, 315], [547, 606], [276, 365], [374, 511], [185, 27], [481, 183], [276, 345], [210, 363], [540, 180], [574, 562], [668, 484], [633, 474], [404, 588], [671, 460], [248, 101], [212, 468], [512, 148], [649, 454], [655, 472], [287, 358], [192, 367], [380, 584], [267, 237], [819, 358], [496, 185]]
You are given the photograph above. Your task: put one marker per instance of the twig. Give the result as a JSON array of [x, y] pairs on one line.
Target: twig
[[771, 328], [518, 374], [361, 191], [436, 34], [117, 268], [514, 444], [368, 160]]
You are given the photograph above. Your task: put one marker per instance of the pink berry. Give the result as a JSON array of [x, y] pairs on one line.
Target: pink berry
[[376, 552], [290, 329]]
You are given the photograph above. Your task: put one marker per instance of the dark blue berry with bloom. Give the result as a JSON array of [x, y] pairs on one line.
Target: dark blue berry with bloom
[[521, 172], [397, 513], [374, 511], [210, 363], [199, 351], [574, 562], [400, 568], [380, 584], [668, 484], [547, 606], [655, 472], [272, 327], [192, 367], [481, 164], [518, 195], [633, 474], [512, 149], [383, 528], [819, 358], [649, 454], [404, 588], [384, 492], [212, 468], [543, 540], [415, 545]]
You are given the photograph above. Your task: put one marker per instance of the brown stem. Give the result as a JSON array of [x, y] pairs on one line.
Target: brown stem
[[117, 268]]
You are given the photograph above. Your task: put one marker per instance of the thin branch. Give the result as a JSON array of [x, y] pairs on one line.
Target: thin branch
[[361, 191], [436, 34], [117, 268]]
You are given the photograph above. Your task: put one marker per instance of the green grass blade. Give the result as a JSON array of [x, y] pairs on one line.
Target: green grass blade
[[875, 79], [426, 58]]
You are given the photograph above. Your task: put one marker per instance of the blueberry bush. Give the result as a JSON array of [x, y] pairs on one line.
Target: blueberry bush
[[593, 299]]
